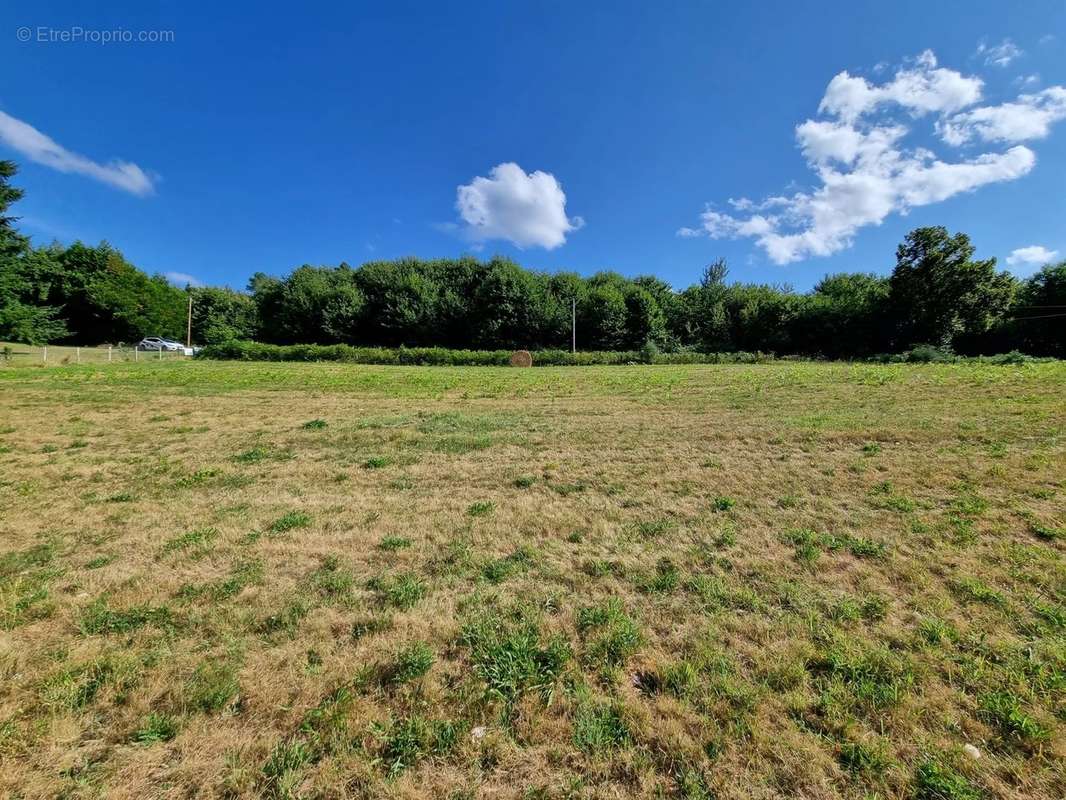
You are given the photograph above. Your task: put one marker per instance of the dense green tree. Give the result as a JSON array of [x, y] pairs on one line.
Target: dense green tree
[[704, 319], [845, 316], [322, 305], [670, 305], [454, 283], [601, 317], [645, 322], [30, 324], [503, 310], [939, 293], [107, 299], [564, 290], [11, 241], [400, 303], [222, 315], [1039, 324], [25, 275], [761, 317]]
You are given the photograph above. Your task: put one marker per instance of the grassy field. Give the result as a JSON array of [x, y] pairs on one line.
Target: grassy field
[[302, 580]]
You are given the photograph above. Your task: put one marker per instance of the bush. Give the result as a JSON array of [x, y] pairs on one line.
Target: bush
[[444, 357]]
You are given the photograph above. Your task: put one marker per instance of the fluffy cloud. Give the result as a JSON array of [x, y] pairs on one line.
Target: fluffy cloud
[[528, 210], [38, 147], [1028, 117], [864, 171], [921, 88], [1034, 255], [999, 55]]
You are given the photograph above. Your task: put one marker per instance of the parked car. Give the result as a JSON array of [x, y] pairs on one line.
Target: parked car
[[158, 343]]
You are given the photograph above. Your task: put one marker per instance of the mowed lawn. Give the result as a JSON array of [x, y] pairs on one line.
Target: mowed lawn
[[309, 580]]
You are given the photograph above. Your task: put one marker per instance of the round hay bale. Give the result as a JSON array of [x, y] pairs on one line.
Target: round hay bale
[[521, 358]]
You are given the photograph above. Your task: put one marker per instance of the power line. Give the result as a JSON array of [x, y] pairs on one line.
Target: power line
[[1041, 316]]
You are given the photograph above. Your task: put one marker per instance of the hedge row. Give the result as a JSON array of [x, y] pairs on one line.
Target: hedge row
[[443, 357]]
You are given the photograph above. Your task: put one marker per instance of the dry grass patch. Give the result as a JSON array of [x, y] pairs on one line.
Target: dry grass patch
[[323, 580]]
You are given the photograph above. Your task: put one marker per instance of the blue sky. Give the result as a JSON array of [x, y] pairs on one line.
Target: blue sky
[[264, 136]]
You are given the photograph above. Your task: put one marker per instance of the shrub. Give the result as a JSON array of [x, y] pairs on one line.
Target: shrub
[[444, 357]]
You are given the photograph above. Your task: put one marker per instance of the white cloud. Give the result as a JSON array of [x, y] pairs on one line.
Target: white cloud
[[865, 172], [528, 210], [183, 279], [999, 55], [1028, 117], [1034, 255], [38, 147], [920, 88]]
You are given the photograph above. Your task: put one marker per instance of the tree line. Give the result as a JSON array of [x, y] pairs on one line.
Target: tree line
[[938, 294]]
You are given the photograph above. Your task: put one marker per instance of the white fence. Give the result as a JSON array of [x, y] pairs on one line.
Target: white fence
[[50, 355]]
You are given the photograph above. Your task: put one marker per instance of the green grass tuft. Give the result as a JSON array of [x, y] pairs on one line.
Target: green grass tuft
[[411, 662], [611, 635], [937, 781], [481, 509], [98, 618], [402, 591], [600, 727], [512, 657], [197, 540], [156, 728], [291, 521], [392, 543]]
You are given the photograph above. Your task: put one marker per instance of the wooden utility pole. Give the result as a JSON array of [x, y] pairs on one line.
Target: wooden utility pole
[[188, 326]]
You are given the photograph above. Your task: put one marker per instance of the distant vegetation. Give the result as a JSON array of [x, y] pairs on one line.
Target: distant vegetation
[[649, 354], [937, 295], [444, 357]]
